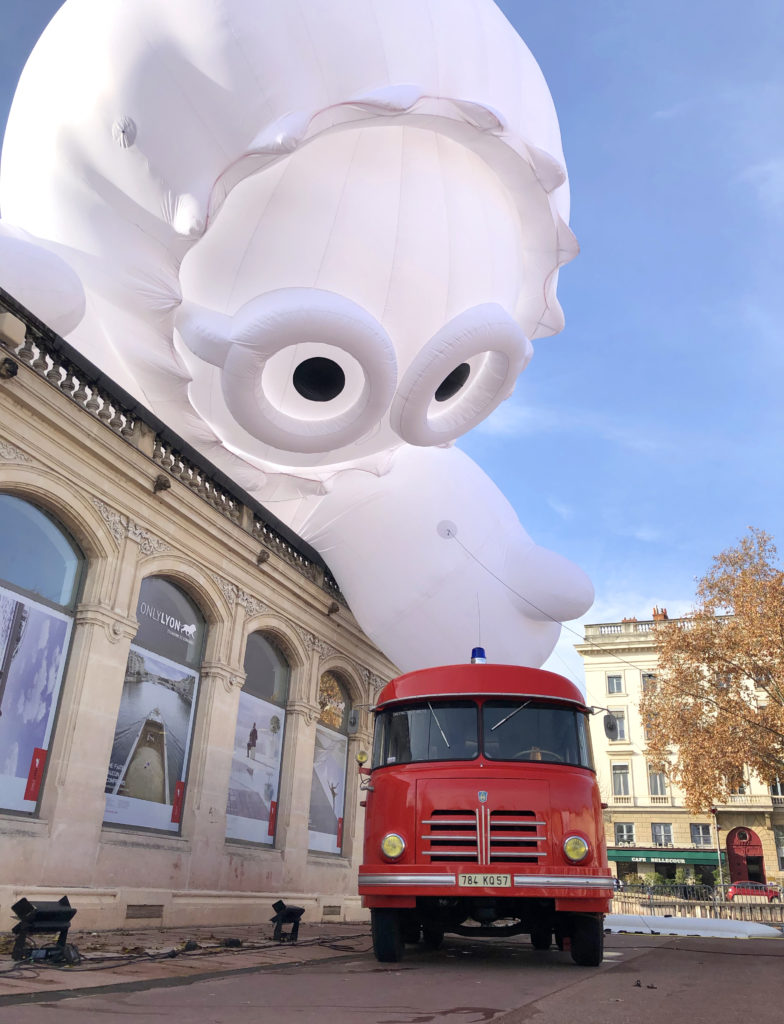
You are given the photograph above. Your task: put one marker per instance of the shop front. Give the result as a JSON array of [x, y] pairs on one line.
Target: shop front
[[701, 865]]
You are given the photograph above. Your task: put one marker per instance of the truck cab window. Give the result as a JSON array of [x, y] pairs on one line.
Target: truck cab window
[[428, 731], [515, 730]]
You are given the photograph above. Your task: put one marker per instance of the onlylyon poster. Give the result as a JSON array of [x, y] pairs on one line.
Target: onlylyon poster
[[145, 783], [251, 807], [33, 648], [327, 791]]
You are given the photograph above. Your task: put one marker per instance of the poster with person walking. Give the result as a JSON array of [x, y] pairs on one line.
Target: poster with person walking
[[255, 770]]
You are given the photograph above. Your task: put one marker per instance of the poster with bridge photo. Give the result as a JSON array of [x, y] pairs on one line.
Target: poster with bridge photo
[[33, 647], [327, 791], [150, 751], [255, 771]]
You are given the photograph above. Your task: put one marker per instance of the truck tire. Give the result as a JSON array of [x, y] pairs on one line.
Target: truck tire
[[587, 946], [412, 931], [386, 927], [542, 936], [432, 935]]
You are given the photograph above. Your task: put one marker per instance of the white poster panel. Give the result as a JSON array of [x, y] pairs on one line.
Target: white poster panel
[[33, 647], [327, 791], [255, 771], [146, 780]]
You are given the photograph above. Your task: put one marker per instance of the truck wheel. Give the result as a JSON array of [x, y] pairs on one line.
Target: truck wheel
[[386, 928], [587, 946], [433, 935], [541, 936], [412, 931]]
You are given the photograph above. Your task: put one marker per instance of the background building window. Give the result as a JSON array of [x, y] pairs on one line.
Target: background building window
[[648, 682], [777, 788], [624, 832], [145, 784], [701, 835], [40, 573], [620, 779], [615, 684], [328, 784], [778, 838], [661, 833], [657, 783], [252, 804]]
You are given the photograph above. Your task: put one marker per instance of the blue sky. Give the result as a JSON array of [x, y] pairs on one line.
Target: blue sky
[[646, 436]]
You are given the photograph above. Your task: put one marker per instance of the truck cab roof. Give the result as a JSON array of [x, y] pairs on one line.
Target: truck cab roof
[[480, 680]]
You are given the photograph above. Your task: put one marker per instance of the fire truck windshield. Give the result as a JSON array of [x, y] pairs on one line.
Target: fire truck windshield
[[511, 730], [516, 730]]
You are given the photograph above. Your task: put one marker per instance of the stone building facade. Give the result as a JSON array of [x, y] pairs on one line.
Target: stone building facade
[[183, 688], [649, 829]]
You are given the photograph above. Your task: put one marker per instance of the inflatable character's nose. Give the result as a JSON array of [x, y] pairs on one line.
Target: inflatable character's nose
[[303, 370], [460, 376]]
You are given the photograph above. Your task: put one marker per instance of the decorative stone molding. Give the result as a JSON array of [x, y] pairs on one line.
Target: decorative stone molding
[[230, 678], [373, 682], [121, 526], [9, 453], [305, 711], [235, 595], [316, 643], [116, 627]]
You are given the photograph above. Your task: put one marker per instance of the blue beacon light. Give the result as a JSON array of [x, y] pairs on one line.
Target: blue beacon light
[[478, 656]]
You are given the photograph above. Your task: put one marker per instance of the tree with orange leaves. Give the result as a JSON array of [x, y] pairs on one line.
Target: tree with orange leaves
[[716, 708]]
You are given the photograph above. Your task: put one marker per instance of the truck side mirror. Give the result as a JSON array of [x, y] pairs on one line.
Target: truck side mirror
[[611, 727]]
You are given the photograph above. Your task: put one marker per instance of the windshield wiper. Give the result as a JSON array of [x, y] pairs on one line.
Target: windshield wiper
[[443, 736], [510, 715]]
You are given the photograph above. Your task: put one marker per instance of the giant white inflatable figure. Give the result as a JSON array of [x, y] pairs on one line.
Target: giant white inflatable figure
[[316, 237]]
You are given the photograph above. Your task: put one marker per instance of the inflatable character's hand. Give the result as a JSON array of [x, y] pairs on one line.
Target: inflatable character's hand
[[437, 560], [40, 280]]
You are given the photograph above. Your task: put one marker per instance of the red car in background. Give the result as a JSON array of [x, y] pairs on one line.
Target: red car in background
[[753, 890]]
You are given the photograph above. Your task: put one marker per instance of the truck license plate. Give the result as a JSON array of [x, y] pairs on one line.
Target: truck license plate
[[479, 879]]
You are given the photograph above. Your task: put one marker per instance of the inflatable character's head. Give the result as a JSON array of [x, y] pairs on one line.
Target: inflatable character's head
[[319, 230]]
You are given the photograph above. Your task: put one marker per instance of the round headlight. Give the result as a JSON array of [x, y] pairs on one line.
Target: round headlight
[[392, 845], [575, 848]]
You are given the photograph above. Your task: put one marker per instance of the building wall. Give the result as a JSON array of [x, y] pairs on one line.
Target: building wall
[[94, 472], [626, 650]]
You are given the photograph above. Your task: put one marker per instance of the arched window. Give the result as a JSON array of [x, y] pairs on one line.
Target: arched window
[[145, 784], [328, 785], [252, 805], [40, 573]]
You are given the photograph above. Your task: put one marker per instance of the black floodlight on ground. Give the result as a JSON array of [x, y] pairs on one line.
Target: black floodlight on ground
[[286, 915], [39, 917]]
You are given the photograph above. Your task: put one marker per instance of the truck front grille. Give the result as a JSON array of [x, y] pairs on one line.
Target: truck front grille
[[482, 836]]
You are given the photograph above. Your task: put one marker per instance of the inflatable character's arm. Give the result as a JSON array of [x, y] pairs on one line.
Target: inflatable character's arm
[[433, 560]]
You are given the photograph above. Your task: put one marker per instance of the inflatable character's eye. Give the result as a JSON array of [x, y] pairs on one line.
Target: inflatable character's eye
[[460, 376], [319, 379], [301, 369], [452, 383]]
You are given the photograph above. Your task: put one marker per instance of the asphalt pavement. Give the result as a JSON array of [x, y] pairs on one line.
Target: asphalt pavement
[[330, 974]]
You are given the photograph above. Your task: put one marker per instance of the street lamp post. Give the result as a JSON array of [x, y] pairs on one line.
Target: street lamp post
[[715, 813]]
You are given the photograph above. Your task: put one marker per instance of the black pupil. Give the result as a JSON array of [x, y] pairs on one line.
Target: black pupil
[[319, 379], [450, 385]]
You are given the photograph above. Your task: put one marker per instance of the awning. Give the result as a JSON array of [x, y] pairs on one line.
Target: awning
[[636, 855]]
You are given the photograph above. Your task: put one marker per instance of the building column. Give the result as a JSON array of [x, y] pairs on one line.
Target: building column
[[212, 747], [73, 799]]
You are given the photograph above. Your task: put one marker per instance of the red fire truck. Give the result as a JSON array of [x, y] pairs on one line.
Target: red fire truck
[[483, 812]]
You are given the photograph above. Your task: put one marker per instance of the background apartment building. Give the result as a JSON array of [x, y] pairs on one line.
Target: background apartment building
[[649, 829]]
